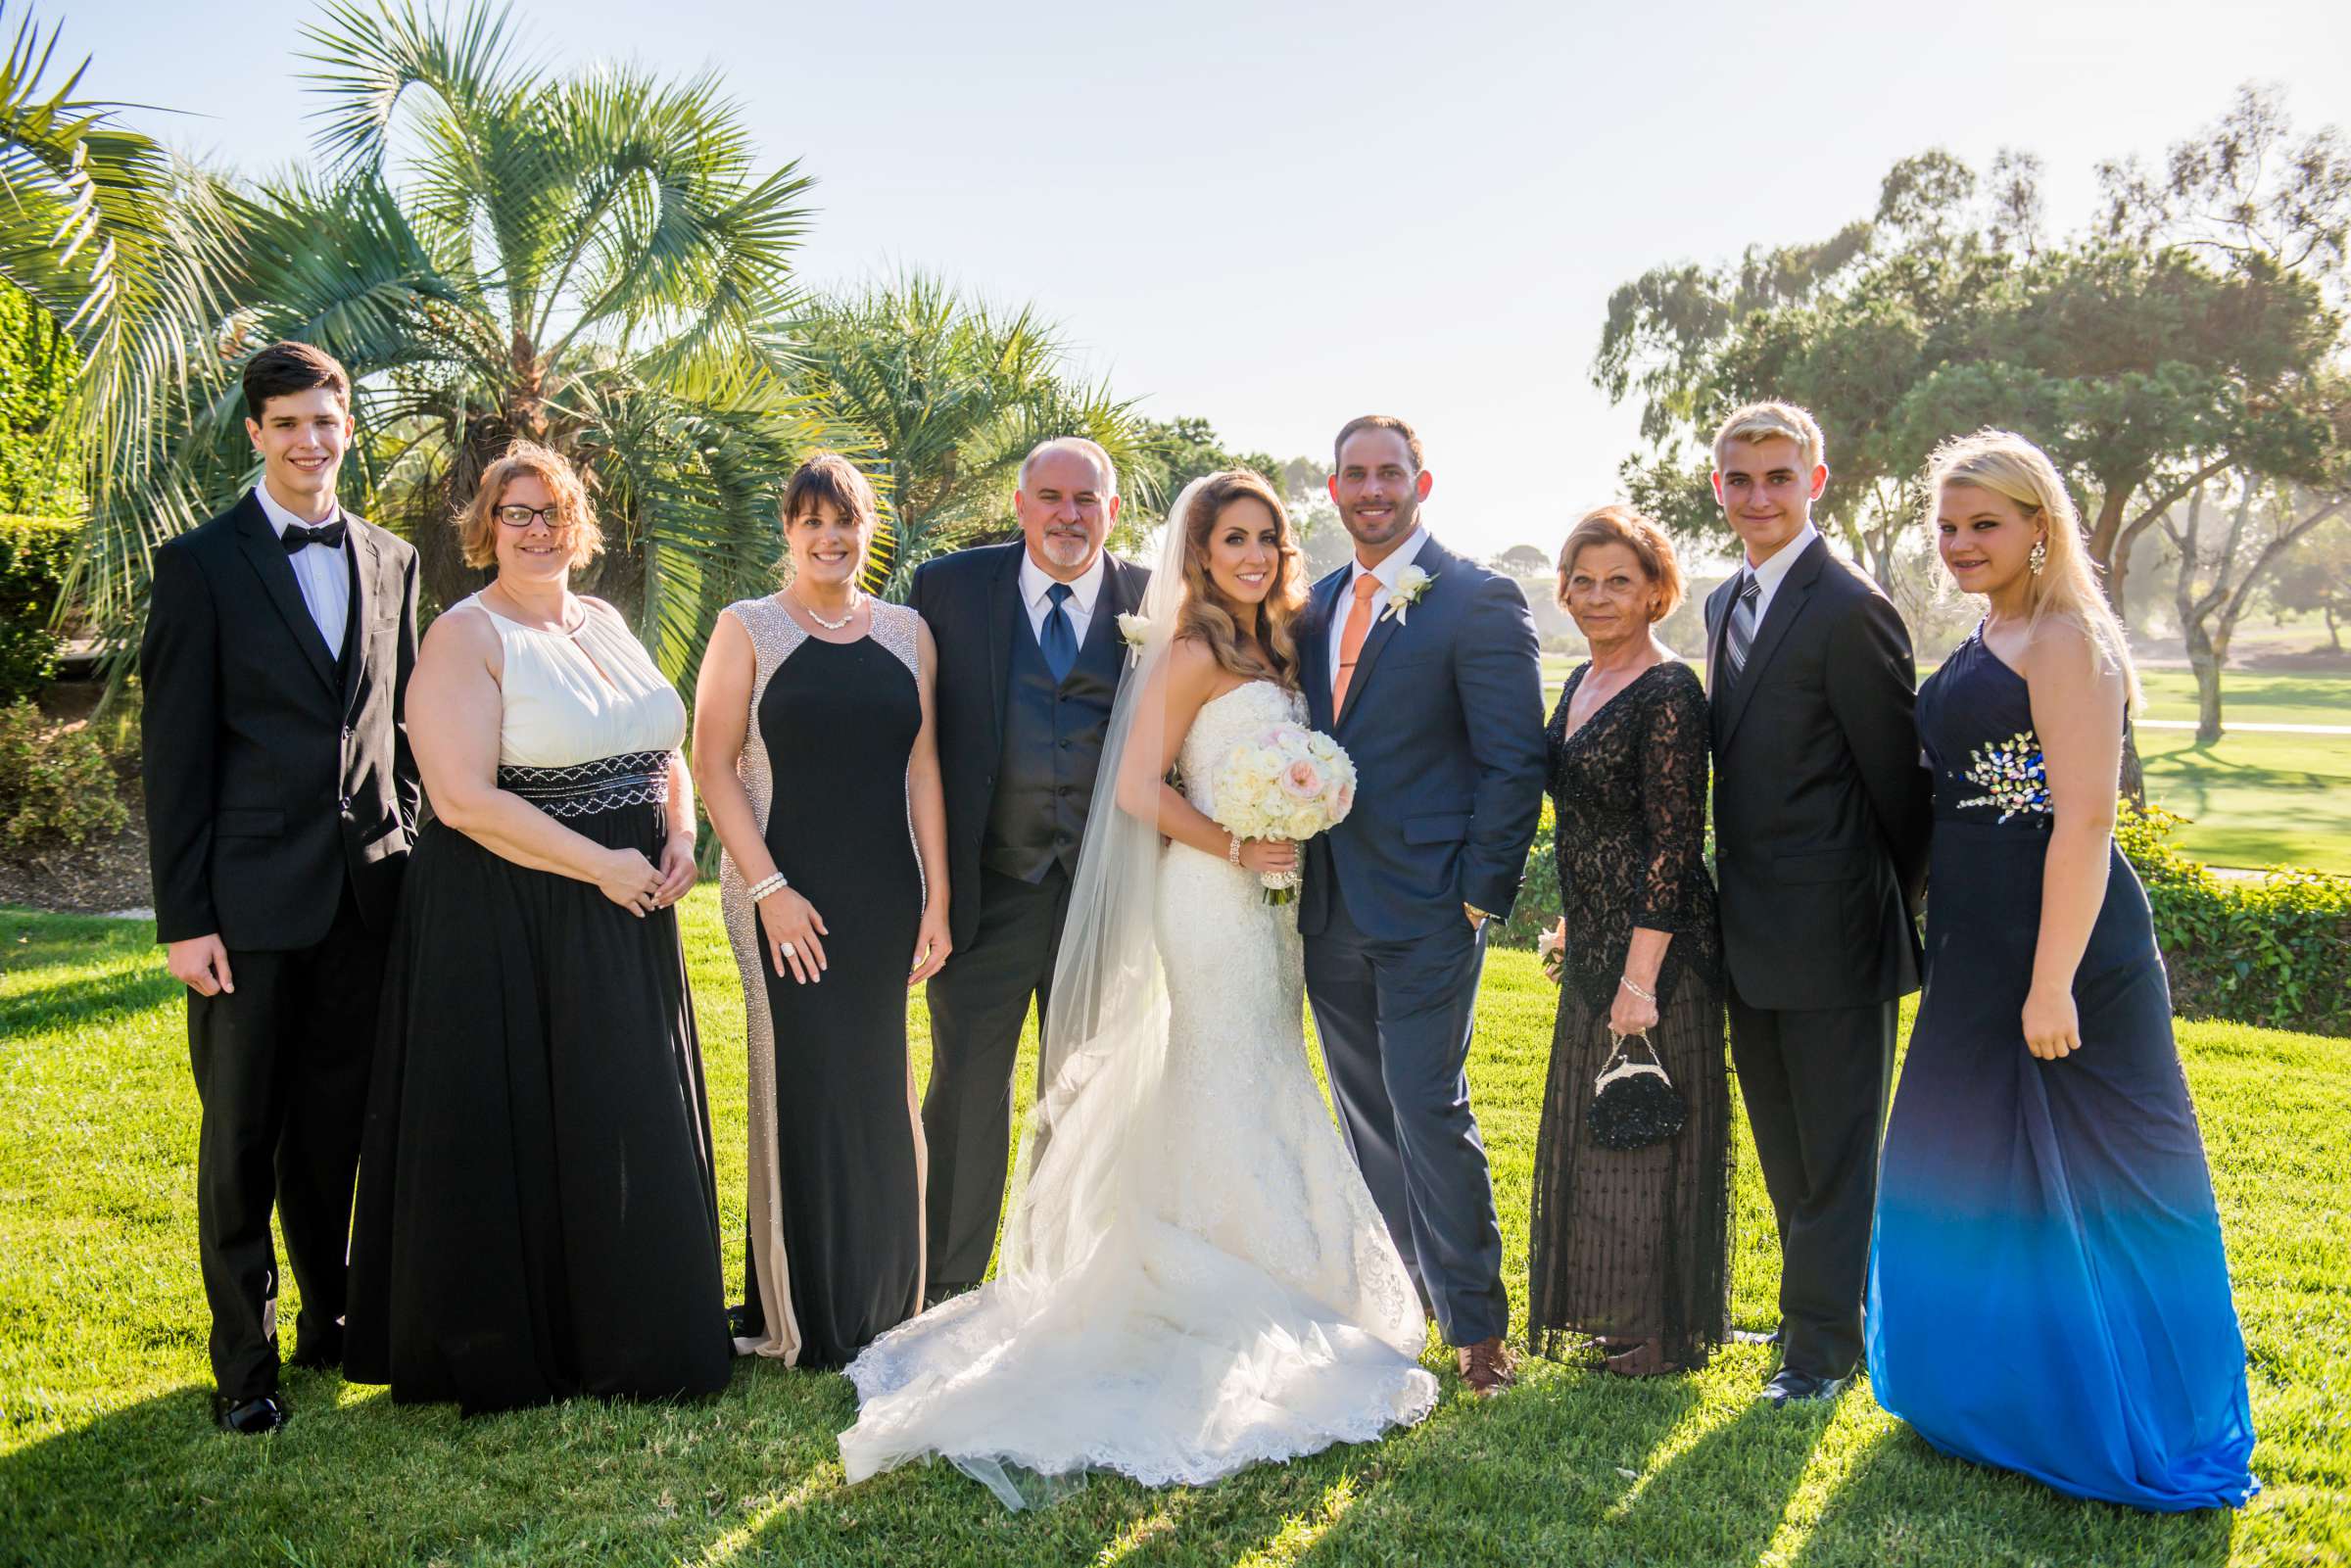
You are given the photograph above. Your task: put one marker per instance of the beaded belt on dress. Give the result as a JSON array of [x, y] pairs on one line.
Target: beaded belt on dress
[[633, 779]]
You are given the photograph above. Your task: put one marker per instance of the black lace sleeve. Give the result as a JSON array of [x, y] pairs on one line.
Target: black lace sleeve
[[1673, 800]]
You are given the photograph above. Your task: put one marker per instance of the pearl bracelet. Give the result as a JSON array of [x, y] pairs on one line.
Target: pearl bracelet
[[766, 885], [1232, 851], [1626, 980]]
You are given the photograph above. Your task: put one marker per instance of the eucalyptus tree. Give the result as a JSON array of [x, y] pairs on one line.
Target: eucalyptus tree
[[950, 393], [591, 259]]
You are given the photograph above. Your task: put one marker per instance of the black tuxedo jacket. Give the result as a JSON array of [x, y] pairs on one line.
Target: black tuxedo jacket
[[275, 769], [971, 599], [1821, 807]]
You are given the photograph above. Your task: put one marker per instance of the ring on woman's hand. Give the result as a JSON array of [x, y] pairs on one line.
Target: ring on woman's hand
[[788, 950]]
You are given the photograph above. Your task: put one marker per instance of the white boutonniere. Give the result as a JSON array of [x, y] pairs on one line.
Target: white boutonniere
[[1410, 584], [1132, 630]]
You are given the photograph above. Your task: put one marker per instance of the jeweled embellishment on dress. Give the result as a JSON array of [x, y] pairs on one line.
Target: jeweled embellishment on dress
[[2012, 774]]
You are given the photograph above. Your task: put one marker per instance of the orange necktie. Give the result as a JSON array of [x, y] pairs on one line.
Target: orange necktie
[[1351, 638]]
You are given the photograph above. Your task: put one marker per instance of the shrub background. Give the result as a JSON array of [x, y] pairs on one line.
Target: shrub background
[[34, 555]]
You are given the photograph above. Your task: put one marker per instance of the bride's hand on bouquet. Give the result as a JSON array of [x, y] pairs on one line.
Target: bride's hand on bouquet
[[630, 881], [932, 945], [2052, 1025], [792, 926], [1270, 857]]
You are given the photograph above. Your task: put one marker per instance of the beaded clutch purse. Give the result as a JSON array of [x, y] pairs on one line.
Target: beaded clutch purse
[[1634, 1104]]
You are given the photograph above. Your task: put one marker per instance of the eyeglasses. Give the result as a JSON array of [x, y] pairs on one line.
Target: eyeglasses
[[525, 516]]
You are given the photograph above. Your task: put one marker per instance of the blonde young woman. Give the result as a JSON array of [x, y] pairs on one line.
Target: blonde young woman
[[2047, 1292], [536, 1211], [1193, 1277], [815, 749]]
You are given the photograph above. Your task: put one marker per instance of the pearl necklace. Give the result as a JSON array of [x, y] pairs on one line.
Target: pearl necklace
[[856, 602]]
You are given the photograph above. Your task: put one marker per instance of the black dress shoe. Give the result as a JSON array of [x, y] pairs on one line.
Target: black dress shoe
[[319, 1351], [1789, 1387], [939, 1295], [1748, 1336], [250, 1418]]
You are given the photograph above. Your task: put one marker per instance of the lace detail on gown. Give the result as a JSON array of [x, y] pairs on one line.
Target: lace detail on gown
[[1251, 1308]]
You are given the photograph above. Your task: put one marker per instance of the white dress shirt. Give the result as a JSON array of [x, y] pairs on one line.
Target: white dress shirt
[[1774, 571], [325, 579], [1387, 571], [1037, 589]]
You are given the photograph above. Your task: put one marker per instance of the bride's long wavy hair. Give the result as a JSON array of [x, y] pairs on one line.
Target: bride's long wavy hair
[[1214, 619]]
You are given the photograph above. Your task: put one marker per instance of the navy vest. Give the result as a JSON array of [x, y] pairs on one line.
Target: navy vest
[[1052, 750]]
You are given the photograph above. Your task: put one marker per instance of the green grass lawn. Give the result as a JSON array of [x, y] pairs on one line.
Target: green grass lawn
[[106, 1453], [2255, 799], [2252, 696]]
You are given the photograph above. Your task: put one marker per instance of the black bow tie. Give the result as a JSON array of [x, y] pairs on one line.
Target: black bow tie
[[297, 535]]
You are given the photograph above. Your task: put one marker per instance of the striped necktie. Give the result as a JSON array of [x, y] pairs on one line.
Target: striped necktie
[[1743, 623]]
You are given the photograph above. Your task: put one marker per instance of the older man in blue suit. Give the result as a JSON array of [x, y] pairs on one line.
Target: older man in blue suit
[[1426, 667]]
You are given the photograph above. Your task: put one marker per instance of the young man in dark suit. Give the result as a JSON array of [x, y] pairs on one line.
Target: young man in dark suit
[[281, 800], [1030, 661], [1821, 815]]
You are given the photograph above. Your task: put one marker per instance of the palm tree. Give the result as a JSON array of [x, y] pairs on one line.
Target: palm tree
[[590, 260], [952, 393], [114, 246]]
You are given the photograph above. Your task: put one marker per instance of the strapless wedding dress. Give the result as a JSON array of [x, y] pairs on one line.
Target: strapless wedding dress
[[1249, 1307]]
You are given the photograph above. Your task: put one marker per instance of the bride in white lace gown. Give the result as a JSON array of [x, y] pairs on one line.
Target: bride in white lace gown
[[1194, 1278]]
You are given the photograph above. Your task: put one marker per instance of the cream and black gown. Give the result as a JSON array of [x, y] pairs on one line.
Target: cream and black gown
[[835, 1253], [537, 1216]]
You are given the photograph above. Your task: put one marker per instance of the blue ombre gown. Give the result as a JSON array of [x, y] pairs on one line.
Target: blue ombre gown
[[2047, 1292]]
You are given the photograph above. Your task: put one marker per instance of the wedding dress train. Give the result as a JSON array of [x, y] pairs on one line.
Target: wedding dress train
[[1234, 1296]]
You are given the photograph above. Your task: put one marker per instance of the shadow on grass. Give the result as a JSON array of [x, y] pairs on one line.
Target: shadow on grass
[[1898, 1504], [754, 1476], [89, 999]]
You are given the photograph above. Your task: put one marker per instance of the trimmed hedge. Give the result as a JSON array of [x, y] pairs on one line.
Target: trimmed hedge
[[2273, 950], [34, 555]]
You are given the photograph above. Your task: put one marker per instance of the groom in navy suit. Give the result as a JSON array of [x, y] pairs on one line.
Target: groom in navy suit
[[1425, 666]]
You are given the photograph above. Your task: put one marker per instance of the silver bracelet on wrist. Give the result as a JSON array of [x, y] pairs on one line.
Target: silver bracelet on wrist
[[1626, 980], [1232, 851], [766, 885]]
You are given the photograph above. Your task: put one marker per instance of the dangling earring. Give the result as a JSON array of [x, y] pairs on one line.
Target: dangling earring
[[2039, 556]]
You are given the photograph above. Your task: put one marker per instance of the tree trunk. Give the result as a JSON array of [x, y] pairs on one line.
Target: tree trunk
[[2334, 632], [2205, 660]]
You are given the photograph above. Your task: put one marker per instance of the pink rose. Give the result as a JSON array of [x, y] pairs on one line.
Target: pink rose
[[1345, 803], [1300, 780]]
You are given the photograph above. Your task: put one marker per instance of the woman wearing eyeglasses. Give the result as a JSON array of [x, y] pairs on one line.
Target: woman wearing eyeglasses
[[537, 1216]]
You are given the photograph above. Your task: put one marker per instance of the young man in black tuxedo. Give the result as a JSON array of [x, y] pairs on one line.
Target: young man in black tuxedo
[[1821, 816], [1030, 661], [282, 801]]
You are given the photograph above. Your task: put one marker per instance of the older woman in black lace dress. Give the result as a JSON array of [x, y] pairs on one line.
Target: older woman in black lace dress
[[1630, 1246]]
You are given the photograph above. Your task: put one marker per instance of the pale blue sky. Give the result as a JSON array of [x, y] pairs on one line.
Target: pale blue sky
[[1281, 216]]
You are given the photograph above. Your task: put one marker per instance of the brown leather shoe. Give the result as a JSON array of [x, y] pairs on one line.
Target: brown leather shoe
[[1488, 1367]]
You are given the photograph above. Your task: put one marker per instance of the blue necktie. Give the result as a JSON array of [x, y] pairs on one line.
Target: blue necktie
[[1059, 639]]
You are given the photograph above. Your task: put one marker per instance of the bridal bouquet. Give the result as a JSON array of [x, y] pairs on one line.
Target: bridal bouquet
[[1290, 782]]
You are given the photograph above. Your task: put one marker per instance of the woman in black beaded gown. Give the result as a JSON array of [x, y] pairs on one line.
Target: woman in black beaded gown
[[814, 749], [1630, 1248]]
